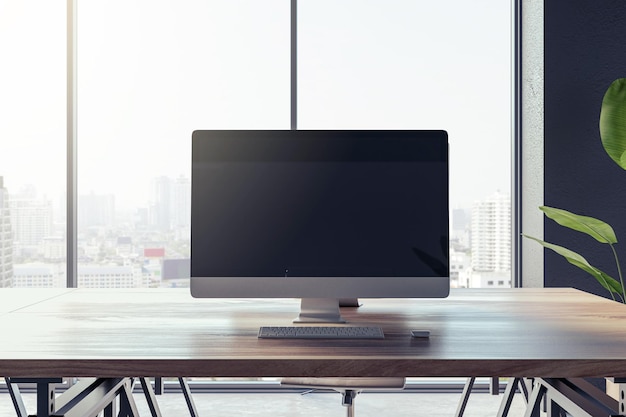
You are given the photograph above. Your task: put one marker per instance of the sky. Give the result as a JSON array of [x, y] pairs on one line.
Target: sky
[[170, 67]]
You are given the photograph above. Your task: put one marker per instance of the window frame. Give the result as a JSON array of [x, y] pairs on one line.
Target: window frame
[[528, 134], [527, 137]]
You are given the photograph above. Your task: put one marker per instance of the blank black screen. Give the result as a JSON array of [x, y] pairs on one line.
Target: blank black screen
[[319, 203]]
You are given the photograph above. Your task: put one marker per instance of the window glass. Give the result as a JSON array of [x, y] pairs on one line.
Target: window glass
[[149, 74], [32, 143], [172, 67], [406, 64]]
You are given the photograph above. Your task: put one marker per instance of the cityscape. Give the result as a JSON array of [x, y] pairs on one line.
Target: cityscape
[[150, 246]]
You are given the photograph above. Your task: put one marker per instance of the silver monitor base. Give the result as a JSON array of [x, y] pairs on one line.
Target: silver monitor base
[[319, 310]]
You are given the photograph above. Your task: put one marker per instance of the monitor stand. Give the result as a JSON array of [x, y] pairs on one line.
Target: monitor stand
[[319, 310], [349, 302]]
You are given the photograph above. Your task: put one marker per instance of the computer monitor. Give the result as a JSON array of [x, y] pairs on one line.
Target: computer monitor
[[319, 215]]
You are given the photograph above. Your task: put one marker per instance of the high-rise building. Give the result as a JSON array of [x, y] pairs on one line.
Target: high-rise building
[[96, 210], [31, 219], [171, 209], [460, 230], [161, 209], [181, 203], [6, 238], [460, 262], [491, 240], [54, 248]]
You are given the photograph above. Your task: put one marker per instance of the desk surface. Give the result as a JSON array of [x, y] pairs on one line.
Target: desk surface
[[165, 332]]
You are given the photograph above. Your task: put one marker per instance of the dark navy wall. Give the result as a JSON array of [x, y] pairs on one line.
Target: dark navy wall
[[585, 50]]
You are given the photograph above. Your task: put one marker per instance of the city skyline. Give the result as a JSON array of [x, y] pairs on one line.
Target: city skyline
[[116, 250]]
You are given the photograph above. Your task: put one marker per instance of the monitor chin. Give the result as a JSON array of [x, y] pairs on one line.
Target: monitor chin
[[320, 287]]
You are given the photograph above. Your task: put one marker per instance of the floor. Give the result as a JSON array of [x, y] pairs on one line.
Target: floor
[[312, 404]]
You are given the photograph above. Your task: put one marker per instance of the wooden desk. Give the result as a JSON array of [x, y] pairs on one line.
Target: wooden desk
[[142, 332]]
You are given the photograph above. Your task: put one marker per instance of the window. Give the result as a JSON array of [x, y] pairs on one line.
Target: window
[[423, 65], [32, 143], [167, 69], [171, 67]]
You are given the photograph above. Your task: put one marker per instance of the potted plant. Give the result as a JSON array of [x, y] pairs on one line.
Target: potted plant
[[613, 136]]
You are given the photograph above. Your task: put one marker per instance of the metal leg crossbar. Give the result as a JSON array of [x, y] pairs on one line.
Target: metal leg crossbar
[[573, 397], [557, 397], [88, 397], [191, 406], [494, 389], [16, 398], [151, 394], [512, 387]]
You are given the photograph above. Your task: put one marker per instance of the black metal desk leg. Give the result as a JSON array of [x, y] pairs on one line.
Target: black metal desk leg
[[158, 385], [45, 398], [188, 398], [494, 385], [507, 398], [111, 409], [621, 396], [16, 398], [554, 410], [526, 384], [534, 401], [467, 390], [128, 408], [150, 397], [45, 393]]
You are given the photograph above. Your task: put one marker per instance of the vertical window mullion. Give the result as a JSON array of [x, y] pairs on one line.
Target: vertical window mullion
[[516, 151], [72, 200], [294, 64]]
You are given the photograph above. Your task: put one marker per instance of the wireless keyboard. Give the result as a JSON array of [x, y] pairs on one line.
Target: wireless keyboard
[[321, 332]]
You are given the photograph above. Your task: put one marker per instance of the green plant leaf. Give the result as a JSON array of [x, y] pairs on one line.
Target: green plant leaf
[[613, 122], [597, 229], [578, 260]]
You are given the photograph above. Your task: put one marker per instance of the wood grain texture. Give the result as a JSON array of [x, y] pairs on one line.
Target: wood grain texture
[[146, 332]]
